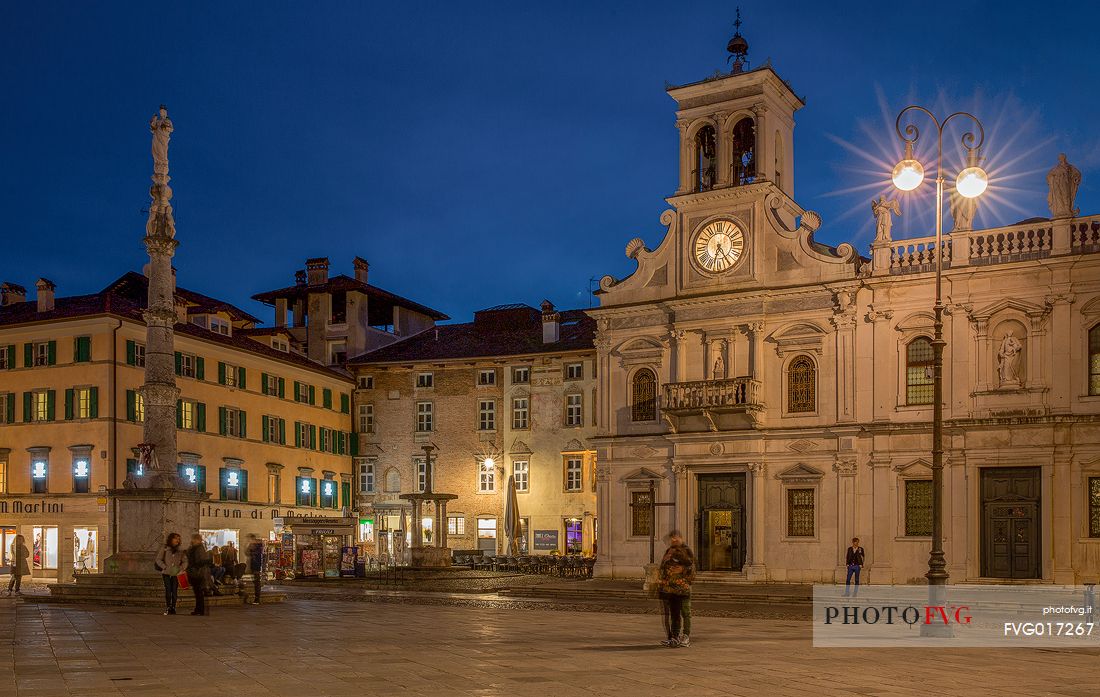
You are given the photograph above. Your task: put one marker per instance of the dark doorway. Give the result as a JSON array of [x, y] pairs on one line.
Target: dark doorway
[[1010, 522], [720, 524]]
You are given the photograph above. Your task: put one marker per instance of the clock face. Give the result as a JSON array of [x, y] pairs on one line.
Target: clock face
[[719, 245]]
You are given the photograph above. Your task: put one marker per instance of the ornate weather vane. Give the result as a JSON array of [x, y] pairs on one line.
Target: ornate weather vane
[[738, 47]]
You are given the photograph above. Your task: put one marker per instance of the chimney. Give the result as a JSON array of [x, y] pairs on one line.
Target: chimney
[[361, 269], [45, 294], [11, 293], [317, 271], [300, 277], [551, 323]]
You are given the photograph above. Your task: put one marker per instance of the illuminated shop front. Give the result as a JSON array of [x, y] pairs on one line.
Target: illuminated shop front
[[322, 546]]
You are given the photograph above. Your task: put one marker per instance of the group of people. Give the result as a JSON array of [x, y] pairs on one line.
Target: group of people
[[205, 569]]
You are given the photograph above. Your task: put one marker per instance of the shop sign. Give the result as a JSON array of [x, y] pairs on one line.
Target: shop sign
[[211, 511], [40, 506], [322, 531], [546, 539]]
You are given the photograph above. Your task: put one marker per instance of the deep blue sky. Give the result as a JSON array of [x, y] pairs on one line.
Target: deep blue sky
[[476, 153]]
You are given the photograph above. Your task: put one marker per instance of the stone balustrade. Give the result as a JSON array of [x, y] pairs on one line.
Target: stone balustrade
[[714, 395]]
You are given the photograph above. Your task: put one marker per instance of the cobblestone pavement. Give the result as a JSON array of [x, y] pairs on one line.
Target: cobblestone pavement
[[331, 648]]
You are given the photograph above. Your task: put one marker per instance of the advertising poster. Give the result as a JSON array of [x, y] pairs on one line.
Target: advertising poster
[[546, 540], [348, 557], [311, 562]]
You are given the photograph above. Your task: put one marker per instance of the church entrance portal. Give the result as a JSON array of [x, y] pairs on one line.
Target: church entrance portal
[[720, 523], [1010, 522]]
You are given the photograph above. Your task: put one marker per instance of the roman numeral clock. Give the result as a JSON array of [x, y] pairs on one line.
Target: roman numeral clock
[[718, 246]]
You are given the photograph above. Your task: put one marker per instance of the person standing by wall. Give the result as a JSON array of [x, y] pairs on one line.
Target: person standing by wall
[[676, 575], [854, 561], [20, 564], [255, 554], [171, 562], [229, 560], [198, 573]]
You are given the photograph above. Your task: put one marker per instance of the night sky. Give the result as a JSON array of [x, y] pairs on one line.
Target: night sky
[[479, 154]]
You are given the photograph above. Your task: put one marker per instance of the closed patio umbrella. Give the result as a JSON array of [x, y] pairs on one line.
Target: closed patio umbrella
[[512, 527]]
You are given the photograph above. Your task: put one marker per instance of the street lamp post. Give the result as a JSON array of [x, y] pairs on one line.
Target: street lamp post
[[970, 183]]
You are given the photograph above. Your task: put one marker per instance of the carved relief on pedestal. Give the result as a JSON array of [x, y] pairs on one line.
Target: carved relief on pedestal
[[844, 465]]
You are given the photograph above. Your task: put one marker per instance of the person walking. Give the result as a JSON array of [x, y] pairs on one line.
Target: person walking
[[675, 576], [20, 567], [854, 560], [230, 560], [171, 562], [198, 573], [255, 552]]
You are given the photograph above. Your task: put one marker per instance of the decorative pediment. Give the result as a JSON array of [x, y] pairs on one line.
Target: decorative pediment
[[1026, 308], [917, 321], [916, 468], [641, 475], [800, 473], [1091, 308], [573, 446], [519, 448], [798, 338], [642, 350]]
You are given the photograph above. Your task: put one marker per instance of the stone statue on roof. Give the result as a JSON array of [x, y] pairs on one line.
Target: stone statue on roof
[[884, 221], [1062, 182]]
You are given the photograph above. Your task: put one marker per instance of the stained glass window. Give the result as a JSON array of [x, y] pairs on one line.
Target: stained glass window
[[800, 512], [1094, 360], [641, 514], [918, 371], [918, 508], [643, 403], [801, 385], [1094, 506]]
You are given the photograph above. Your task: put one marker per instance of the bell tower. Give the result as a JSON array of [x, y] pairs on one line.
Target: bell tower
[[736, 128]]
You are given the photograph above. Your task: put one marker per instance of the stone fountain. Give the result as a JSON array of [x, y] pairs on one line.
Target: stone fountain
[[436, 554]]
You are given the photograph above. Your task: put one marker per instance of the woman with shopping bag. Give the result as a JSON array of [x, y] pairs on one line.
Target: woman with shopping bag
[[172, 564]]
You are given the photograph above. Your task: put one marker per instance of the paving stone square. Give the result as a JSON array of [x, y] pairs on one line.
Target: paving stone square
[[333, 648]]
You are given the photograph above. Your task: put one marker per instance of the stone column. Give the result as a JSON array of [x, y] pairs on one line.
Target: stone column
[[884, 378], [604, 566], [1064, 489], [880, 557], [443, 532], [686, 150], [845, 467], [1061, 357], [417, 525], [844, 324], [756, 567], [723, 142], [765, 158]]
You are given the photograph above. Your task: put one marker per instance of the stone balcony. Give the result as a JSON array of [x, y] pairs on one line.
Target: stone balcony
[[714, 405]]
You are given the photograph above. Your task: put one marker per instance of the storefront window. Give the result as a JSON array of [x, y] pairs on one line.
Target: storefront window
[[487, 534], [44, 551], [85, 550], [366, 530], [221, 537], [573, 536], [7, 539]]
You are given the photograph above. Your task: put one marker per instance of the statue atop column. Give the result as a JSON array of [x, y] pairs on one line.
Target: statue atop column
[[1062, 182], [962, 211], [161, 126], [884, 221]]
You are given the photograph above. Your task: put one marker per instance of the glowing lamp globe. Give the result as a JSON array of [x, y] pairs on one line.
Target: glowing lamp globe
[[489, 463], [908, 174], [972, 182]]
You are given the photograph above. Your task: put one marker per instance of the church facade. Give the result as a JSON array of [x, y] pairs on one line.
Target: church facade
[[777, 392]]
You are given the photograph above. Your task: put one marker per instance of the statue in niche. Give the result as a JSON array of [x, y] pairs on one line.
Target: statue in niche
[[1008, 360], [884, 221], [962, 211], [1062, 182], [719, 362], [161, 126]]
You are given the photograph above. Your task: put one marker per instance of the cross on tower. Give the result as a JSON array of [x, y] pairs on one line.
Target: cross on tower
[[652, 506]]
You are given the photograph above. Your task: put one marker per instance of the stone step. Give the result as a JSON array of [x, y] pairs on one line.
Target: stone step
[[698, 594], [144, 590]]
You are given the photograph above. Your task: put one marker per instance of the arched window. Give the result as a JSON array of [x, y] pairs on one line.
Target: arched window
[[801, 385], [1094, 360], [706, 160], [918, 371], [743, 153], [643, 398]]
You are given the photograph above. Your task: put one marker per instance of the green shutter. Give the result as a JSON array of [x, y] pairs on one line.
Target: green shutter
[[345, 403], [312, 395], [263, 383], [244, 424], [179, 363], [179, 413], [93, 403], [200, 417], [131, 405], [326, 398], [241, 383], [11, 408], [353, 443], [131, 352], [345, 492], [282, 431], [221, 373], [51, 353], [200, 368], [340, 448], [202, 478], [50, 399], [282, 388], [27, 408], [69, 394], [11, 356], [83, 348], [221, 484], [28, 355], [264, 421], [312, 437], [244, 485], [297, 434], [221, 421], [313, 491]]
